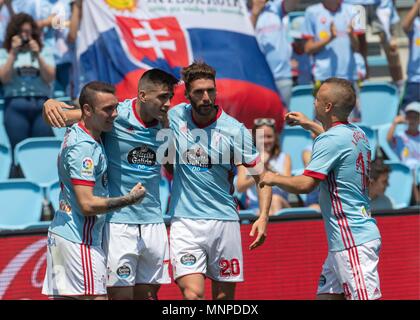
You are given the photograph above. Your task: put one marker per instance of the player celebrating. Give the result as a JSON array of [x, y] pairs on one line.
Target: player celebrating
[[205, 238], [340, 163], [75, 259], [135, 238]]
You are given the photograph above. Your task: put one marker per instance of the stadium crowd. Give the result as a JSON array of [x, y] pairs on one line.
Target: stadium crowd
[[327, 39]]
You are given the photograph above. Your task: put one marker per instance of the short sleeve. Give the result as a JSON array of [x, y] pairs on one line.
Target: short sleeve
[[308, 29], [245, 152], [80, 163], [324, 156]]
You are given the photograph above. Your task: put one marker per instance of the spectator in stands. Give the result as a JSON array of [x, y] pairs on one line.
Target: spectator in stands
[[267, 143], [379, 175], [411, 26], [407, 144], [271, 33], [27, 70], [383, 17], [332, 41], [301, 62]]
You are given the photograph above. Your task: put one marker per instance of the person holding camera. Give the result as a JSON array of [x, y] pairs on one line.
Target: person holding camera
[[27, 70]]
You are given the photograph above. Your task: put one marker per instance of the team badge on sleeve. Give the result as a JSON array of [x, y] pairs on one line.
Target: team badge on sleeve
[[87, 167]]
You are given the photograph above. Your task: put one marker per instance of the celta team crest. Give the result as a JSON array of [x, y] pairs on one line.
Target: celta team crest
[[156, 39]]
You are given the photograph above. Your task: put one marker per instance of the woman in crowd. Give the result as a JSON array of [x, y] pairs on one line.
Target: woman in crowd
[[267, 143]]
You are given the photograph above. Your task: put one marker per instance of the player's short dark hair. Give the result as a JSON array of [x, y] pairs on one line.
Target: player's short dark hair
[[157, 77], [89, 91], [343, 95], [197, 70], [377, 168]]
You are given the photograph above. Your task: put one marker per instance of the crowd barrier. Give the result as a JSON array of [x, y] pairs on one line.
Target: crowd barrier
[[286, 267]]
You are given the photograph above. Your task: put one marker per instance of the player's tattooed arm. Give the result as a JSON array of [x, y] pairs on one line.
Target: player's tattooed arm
[[59, 114], [91, 205]]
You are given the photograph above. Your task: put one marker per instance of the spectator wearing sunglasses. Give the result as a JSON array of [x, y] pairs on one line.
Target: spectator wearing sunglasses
[[267, 142]]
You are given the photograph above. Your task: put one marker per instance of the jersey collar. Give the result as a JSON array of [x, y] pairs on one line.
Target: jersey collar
[[337, 123], [81, 125]]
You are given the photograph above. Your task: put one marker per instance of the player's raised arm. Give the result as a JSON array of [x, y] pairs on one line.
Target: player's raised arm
[[91, 205], [59, 114], [299, 119]]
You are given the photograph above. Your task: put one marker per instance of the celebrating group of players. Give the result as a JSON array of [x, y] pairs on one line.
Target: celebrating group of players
[[108, 238]]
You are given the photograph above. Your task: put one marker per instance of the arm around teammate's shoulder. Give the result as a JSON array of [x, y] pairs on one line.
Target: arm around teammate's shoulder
[[59, 114]]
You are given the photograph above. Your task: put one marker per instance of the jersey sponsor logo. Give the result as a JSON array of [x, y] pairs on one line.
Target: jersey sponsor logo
[[197, 159], [188, 259], [87, 167], [322, 281], [124, 272], [142, 157]]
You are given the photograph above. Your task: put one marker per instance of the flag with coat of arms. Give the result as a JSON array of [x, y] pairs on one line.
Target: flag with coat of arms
[[121, 39]]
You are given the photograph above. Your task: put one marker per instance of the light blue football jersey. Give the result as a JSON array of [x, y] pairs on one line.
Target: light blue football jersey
[[131, 148], [205, 159], [81, 161], [336, 59], [341, 159]]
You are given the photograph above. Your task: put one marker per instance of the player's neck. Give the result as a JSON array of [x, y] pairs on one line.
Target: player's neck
[[332, 122], [144, 116], [87, 126], [413, 131]]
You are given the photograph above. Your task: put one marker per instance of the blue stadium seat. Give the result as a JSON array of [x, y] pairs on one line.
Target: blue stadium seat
[[400, 184], [299, 210], [21, 203], [59, 132], [5, 161], [52, 194], [1, 111], [302, 100], [383, 143], [378, 103], [372, 136], [293, 141], [164, 190], [37, 158], [417, 174]]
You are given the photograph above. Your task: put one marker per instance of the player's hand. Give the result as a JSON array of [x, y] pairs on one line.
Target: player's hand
[[259, 226], [297, 119], [54, 114], [34, 46], [138, 192], [268, 179], [399, 119]]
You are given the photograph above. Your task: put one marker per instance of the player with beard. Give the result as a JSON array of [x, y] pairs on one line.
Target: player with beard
[[205, 238]]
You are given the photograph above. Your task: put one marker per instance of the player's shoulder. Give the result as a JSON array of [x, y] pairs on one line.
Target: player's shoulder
[[125, 107], [77, 137], [230, 122], [179, 110]]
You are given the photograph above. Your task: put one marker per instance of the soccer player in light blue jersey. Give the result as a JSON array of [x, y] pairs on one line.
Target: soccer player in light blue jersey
[[75, 260], [135, 238], [340, 164], [205, 237]]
